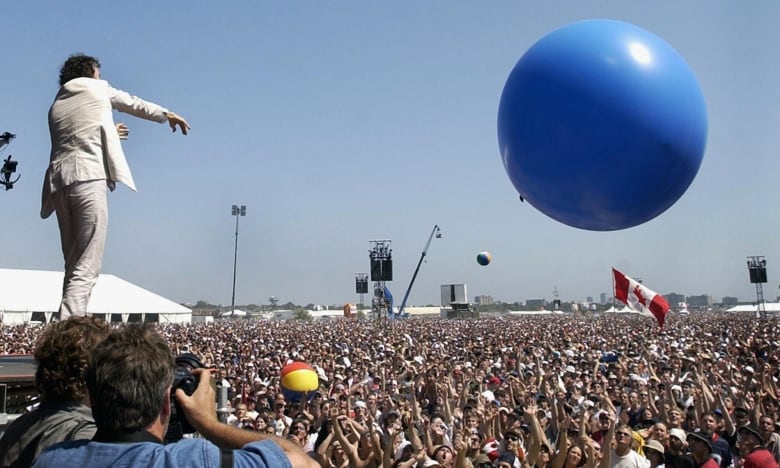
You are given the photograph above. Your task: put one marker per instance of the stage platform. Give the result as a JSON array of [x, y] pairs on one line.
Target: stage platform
[[17, 382]]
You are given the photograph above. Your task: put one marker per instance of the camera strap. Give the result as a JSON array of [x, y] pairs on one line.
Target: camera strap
[[125, 437]]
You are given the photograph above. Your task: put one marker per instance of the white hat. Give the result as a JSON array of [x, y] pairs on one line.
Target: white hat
[[655, 445], [679, 433]]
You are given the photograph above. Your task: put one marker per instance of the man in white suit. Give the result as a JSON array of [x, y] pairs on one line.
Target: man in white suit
[[87, 158]]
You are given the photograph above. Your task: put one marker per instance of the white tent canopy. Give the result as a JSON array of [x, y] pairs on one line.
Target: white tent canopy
[[34, 295], [233, 313], [770, 307], [624, 310]]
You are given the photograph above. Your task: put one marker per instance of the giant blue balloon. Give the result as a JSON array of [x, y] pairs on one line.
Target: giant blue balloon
[[601, 125]]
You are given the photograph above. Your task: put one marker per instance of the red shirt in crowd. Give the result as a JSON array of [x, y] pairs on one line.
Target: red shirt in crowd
[[760, 458]]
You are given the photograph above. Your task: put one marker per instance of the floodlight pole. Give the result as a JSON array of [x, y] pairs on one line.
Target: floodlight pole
[[437, 232], [237, 212]]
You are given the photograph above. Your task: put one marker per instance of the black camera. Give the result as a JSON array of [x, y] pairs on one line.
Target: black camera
[[182, 379]]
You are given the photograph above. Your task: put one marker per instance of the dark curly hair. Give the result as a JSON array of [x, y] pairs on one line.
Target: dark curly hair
[[62, 356], [78, 66]]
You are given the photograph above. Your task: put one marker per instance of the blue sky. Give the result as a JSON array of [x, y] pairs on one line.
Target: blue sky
[[337, 123]]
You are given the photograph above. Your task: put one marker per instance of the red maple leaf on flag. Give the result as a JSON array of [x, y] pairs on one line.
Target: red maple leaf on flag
[[639, 296]]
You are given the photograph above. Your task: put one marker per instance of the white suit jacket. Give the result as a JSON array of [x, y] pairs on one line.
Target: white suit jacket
[[84, 142]]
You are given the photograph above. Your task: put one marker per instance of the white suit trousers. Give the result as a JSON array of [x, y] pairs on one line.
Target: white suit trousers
[[82, 214]]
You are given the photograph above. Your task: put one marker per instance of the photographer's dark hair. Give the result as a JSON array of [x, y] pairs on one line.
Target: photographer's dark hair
[[127, 377], [78, 66]]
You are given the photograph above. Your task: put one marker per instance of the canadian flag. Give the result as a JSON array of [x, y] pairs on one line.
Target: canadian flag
[[640, 298], [491, 448]]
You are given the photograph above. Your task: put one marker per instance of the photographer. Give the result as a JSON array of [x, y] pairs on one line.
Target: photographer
[[129, 379]]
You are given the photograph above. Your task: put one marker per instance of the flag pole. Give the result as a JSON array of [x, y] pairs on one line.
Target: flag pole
[[613, 288]]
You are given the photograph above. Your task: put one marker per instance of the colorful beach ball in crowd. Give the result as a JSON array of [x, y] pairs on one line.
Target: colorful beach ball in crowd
[[601, 125], [298, 378], [483, 258]]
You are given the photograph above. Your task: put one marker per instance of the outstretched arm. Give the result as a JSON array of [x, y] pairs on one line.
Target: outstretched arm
[[129, 104], [606, 444]]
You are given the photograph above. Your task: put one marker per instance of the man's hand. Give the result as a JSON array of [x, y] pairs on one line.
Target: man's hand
[[174, 120], [201, 413], [199, 408], [122, 130]]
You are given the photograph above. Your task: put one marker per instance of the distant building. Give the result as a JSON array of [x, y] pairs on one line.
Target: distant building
[[729, 301], [483, 300], [589, 299], [674, 298], [701, 301], [534, 303], [603, 298]]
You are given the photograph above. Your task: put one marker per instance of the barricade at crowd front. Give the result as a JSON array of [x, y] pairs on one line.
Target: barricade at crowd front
[[542, 391]]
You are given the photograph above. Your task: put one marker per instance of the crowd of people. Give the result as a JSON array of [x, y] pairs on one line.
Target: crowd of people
[[542, 391]]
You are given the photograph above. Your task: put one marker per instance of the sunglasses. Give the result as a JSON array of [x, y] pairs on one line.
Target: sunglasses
[[512, 438]]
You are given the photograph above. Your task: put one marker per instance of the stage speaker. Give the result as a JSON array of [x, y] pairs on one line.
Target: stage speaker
[[757, 275], [361, 286], [381, 269]]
